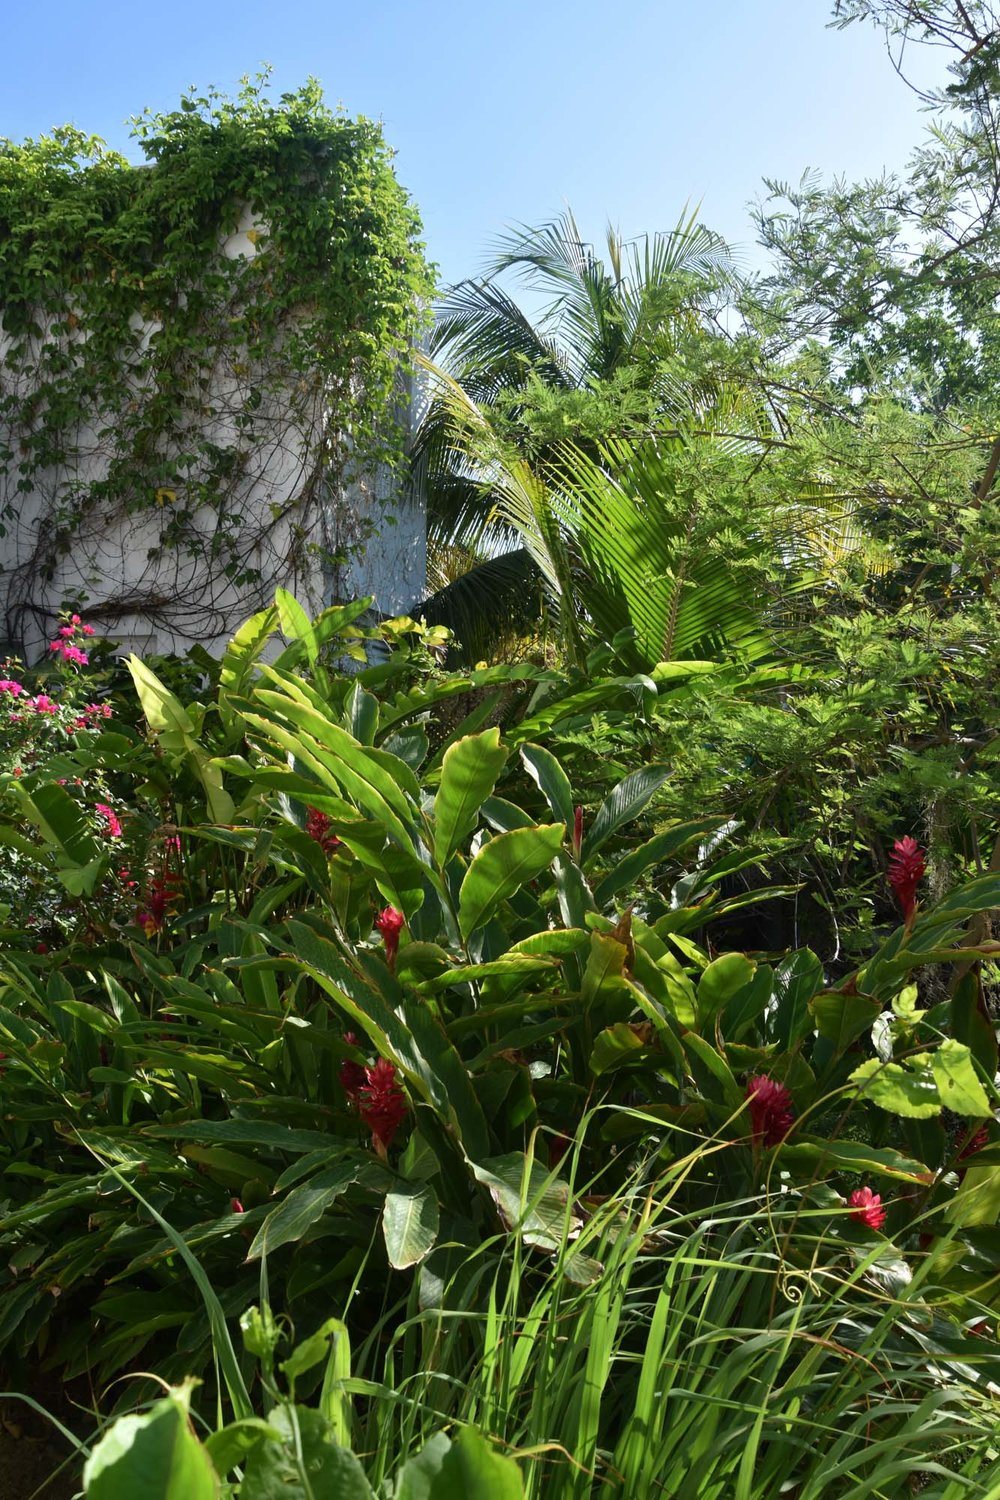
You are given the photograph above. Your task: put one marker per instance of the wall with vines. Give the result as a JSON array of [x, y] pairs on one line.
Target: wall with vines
[[201, 360]]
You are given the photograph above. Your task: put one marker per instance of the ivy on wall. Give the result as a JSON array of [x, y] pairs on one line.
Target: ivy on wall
[[204, 397]]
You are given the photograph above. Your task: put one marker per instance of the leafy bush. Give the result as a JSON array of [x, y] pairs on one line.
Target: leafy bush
[[413, 1035]]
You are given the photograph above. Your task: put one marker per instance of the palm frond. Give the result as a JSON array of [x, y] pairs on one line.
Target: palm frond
[[489, 605]]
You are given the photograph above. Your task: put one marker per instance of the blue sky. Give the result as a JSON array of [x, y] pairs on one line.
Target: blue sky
[[502, 113]]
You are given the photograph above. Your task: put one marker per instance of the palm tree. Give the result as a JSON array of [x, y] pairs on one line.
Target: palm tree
[[544, 431]]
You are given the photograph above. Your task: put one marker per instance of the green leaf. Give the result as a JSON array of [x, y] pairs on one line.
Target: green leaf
[[59, 820], [551, 780], [811, 1152], [416, 1478], [308, 1465], [530, 1200], [503, 866], [468, 775], [720, 982], [614, 1046], [229, 1445], [295, 1216], [155, 1455], [622, 805], [842, 1018], [797, 978], [957, 1080], [410, 1226], [910, 1090], [472, 1468], [295, 623], [661, 847]]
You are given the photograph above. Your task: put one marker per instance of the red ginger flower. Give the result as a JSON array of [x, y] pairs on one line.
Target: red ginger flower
[[236, 1207], [771, 1114], [906, 869], [866, 1208], [382, 1104], [390, 924], [318, 828]]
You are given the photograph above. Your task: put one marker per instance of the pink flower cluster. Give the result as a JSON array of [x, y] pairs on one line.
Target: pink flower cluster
[[91, 714], [65, 642], [114, 827], [8, 686]]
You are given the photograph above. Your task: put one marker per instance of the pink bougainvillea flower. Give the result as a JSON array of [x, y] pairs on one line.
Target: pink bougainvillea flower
[[771, 1113], [381, 1104], [114, 828], [318, 828], [74, 619], [75, 655], [906, 869], [86, 629], [43, 704], [353, 1076], [390, 924], [64, 630], [7, 686], [866, 1208]]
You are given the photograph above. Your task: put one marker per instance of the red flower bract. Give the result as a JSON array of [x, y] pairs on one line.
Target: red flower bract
[[866, 1208], [382, 1104], [906, 869], [390, 924], [318, 828], [771, 1114]]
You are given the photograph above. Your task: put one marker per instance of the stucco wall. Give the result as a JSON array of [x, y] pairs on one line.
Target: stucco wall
[[117, 563]]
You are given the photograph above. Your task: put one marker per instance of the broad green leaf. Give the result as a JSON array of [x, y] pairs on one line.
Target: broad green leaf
[[661, 847], [229, 1445], [295, 623], [155, 1456], [60, 821], [622, 805], [614, 1046], [976, 1200], [797, 978], [469, 773], [910, 1090], [842, 1018], [503, 866], [410, 1226], [298, 1212], [409, 1035], [605, 967], [471, 1467], [958, 1082], [811, 1153], [530, 1200], [309, 1464], [551, 780], [720, 982], [416, 1478], [362, 710]]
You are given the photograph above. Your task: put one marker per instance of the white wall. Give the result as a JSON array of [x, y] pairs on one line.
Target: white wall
[[153, 598]]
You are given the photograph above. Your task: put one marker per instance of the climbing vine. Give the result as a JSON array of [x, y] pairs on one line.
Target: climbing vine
[[192, 353]]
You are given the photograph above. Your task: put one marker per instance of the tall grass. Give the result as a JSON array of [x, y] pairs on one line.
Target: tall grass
[[741, 1356]]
